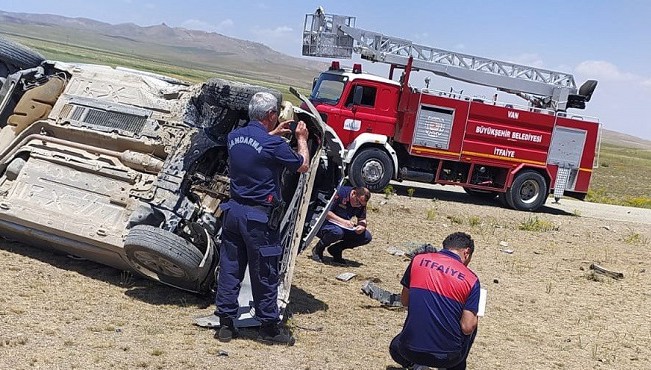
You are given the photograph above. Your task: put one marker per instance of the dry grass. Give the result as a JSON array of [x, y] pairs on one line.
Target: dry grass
[[545, 308]]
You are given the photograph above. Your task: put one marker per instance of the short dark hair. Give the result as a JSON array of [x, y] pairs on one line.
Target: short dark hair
[[459, 240], [362, 191]]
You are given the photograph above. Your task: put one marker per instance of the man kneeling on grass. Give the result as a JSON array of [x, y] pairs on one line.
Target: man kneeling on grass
[[442, 297]]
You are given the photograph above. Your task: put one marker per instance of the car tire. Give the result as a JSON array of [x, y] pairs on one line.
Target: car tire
[[15, 57], [222, 105], [371, 168], [163, 256], [528, 191]]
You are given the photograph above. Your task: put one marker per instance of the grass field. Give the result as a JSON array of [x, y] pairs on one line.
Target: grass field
[[623, 177]]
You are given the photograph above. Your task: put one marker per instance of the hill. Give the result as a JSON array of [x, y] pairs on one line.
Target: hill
[[208, 52]]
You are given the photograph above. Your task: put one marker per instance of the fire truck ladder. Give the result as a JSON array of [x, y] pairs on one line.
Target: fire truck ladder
[[335, 36]]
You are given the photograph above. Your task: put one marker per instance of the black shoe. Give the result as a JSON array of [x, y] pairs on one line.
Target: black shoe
[[275, 334], [227, 331], [317, 252]]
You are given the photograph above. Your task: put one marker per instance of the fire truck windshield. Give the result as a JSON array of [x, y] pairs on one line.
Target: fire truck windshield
[[328, 88]]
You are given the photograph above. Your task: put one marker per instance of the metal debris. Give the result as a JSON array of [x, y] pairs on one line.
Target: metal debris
[[381, 295], [346, 276]]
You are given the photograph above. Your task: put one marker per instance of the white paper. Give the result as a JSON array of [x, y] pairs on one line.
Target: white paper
[[342, 226], [482, 302]]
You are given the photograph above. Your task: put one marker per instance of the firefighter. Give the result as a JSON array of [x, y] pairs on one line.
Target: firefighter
[[442, 298], [257, 156], [340, 228]]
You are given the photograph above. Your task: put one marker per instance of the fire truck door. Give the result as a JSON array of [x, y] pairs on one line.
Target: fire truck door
[[364, 112]]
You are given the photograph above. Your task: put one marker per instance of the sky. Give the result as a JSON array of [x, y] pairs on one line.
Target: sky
[[609, 41]]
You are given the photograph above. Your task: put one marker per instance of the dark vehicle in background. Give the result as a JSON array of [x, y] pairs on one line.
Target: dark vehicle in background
[[128, 168]]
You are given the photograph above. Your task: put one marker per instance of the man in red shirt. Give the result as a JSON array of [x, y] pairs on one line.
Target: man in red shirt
[[442, 297]]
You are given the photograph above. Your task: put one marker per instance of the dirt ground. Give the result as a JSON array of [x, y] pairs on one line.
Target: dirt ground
[[545, 310]]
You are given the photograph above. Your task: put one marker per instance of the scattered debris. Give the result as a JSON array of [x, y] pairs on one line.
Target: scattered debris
[[318, 328], [221, 352], [346, 276], [496, 281], [381, 295], [395, 251], [507, 251], [210, 321], [423, 248], [606, 227], [601, 270], [504, 244]]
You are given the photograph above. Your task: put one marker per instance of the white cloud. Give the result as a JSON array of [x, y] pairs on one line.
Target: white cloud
[[602, 70], [225, 25], [529, 59], [150, 6], [196, 24], [277, 32]]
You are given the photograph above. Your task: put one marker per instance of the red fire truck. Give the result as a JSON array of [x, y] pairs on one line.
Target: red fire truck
[[393, 130]]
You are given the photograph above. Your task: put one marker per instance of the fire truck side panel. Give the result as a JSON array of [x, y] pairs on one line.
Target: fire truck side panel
[[507, 135], [437, 126], [580, 181]]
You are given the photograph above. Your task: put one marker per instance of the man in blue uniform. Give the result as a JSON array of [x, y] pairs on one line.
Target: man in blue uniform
[[442, 296], [339, 227], [257, 158]]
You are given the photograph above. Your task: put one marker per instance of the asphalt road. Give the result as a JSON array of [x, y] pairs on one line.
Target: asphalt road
[[565, 206]]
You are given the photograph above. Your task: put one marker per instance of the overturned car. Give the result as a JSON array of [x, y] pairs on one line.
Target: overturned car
[[128, 168]]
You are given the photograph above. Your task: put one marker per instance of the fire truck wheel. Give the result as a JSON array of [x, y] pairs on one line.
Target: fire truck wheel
[[371, 168], [528, 192]]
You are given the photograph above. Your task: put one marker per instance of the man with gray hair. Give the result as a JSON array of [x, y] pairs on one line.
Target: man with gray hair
[[257, 157]]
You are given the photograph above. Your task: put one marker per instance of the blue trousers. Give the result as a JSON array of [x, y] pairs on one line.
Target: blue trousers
[[450, 361], [246, 239], [331, 233]]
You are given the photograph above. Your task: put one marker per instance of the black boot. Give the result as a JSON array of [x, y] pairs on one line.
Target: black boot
[[227, 330], [274, 333], [317, 252], [335, 250]]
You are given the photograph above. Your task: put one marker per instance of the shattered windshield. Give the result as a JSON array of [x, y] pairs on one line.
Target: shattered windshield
[[328, 88]]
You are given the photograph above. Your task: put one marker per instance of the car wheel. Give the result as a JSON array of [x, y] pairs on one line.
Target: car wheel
[[222, 105], [528, 191], [371, 168], [15, 57], [163, 256]]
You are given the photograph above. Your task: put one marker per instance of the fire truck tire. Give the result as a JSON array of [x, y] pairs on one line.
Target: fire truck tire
[[14, 56], [502, 199], [371, 168], [528, 191]]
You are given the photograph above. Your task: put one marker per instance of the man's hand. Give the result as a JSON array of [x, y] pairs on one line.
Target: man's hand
[[360, 229], [301, 132], [281, 129]]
